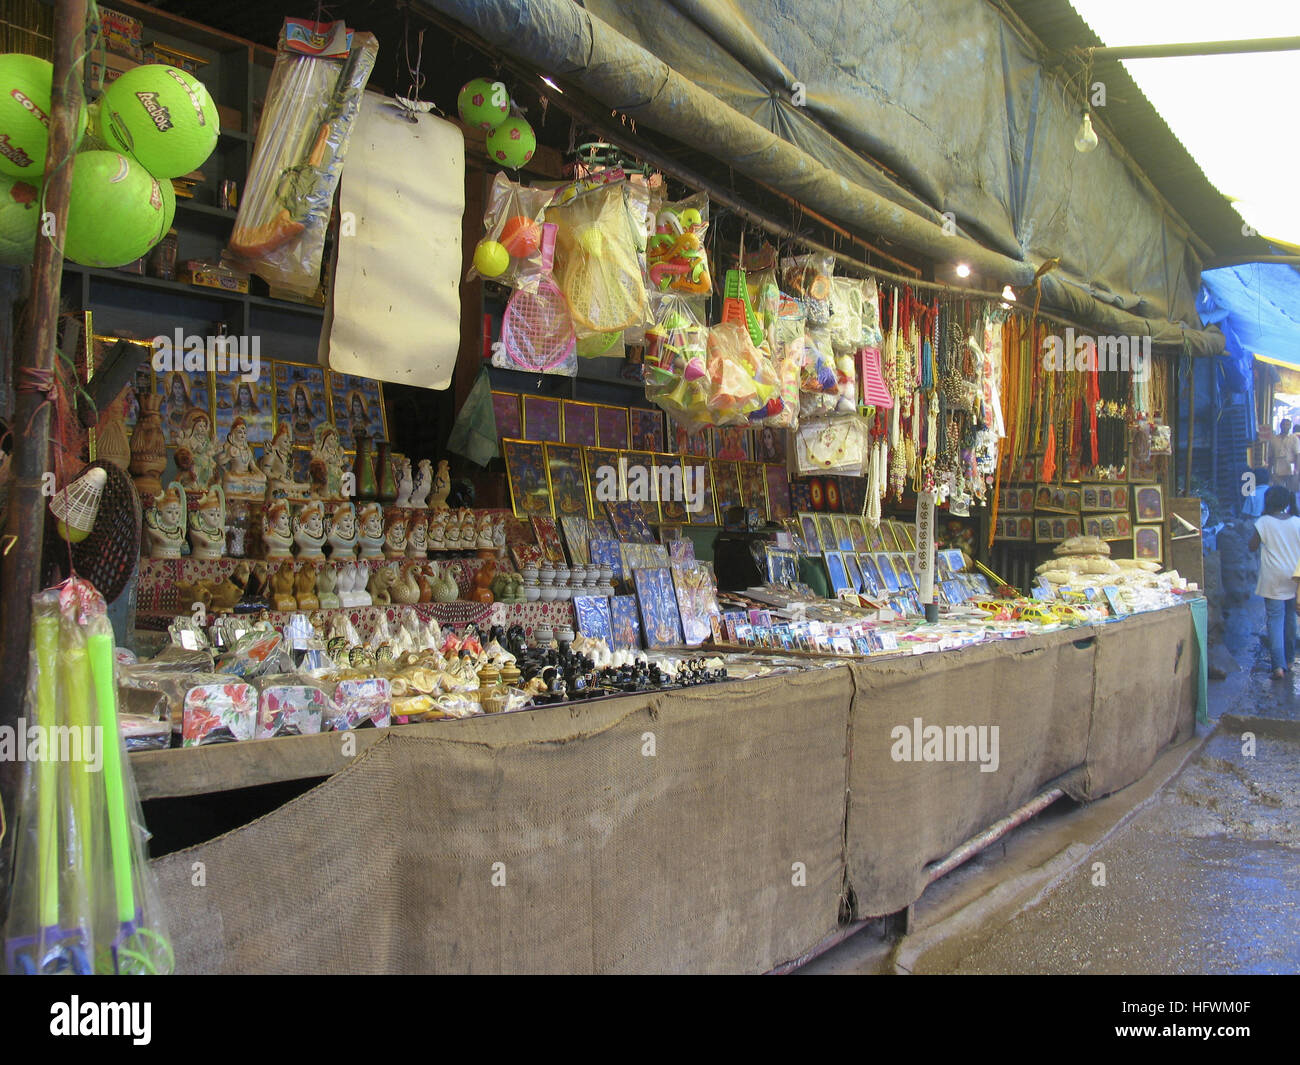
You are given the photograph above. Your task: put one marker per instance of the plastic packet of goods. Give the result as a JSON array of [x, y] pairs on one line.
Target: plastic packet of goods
[[510, 251]]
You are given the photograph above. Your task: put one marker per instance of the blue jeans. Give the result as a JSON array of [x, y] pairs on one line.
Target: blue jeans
[[1281, 631]]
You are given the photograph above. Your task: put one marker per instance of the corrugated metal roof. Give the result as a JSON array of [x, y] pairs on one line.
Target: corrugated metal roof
[[1138, 127]]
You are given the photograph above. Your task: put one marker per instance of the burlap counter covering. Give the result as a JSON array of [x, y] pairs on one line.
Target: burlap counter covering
[[1146, 697], [903, 815], [613, 861]]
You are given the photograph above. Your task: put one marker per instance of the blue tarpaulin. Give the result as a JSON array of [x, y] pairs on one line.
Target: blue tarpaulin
[[1257, 306]]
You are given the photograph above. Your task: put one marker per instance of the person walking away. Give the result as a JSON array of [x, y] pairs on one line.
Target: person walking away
[[1282, 454], [1277, 538], [1291, 448]]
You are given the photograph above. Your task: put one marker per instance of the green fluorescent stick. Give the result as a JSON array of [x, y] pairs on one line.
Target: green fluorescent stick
[[119, 837], [76, 700], [47, 771]]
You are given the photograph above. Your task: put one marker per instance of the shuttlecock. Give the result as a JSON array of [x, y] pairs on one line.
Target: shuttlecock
[[76, 506]]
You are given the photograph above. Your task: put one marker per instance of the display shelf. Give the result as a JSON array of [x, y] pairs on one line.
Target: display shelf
[[225, 766]]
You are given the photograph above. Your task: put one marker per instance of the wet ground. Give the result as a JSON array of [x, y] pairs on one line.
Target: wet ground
[[1198, 872]]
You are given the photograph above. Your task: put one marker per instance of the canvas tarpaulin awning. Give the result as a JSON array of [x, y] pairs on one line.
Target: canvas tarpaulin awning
[[886, 118]]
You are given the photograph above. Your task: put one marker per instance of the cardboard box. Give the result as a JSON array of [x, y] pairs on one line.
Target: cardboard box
[[232, 119], [122, 34], [113, 67], [206, 275]]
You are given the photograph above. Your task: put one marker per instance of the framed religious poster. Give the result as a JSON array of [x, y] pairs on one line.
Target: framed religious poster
[[612, 427], [565, 480], [530, 494], [542, 419], [356, 405], [509, 417], [578, 422], [302, 404]]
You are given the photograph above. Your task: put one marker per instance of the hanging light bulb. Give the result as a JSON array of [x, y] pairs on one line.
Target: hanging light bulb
[[1008, 294], [1086, 139], [962, 270]]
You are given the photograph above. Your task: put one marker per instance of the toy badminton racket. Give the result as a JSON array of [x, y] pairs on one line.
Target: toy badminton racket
[[136, 949], [536, 331], [52, 949]]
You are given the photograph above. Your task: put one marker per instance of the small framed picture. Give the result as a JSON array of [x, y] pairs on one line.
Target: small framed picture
[[625, 623], [593, 616], [510, 423], [1147, 543], [1150, 502], [885, 568], [811, 535], [753, 487], [578, 422], [695, 445], [726, 485], [732, 443], [830, 538], [837, 572], [674, 494], [611, 427], [565, 481], [548, 539], [526, 472], [542, 419], [858, 531], [647, 429], [779, 504], [604, 476], [872, 582], [707, 513], [843, 535], [640, 481], [769, 445], [854, 571]]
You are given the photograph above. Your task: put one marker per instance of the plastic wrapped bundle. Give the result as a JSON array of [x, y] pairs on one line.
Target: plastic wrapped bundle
[[311, 106]]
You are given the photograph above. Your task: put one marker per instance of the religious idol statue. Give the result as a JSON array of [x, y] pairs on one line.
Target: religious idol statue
[[240, 476], [164, 523], [343, 531], [277, 530], [277, 466], [327, 457], [208, 525], [371, 520], [195, 440], [309, 530]]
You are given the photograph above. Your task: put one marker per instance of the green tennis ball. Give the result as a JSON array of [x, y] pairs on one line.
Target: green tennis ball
[[115, 210], [512, 143], [491, 258], [483, 103], [20, 215], [162, 117], [25, 84]]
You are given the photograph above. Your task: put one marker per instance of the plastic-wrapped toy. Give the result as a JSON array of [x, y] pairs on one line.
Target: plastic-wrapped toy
[[676, 366], [675, 253], [311, 106], [808, 279], [511, 249], [597, 261], [741, 377]]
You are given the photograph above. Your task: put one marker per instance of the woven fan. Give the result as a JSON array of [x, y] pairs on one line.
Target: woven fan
[[109, 554], [536, 331]]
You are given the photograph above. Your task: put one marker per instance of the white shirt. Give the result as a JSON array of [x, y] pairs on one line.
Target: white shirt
[[1279, 556]]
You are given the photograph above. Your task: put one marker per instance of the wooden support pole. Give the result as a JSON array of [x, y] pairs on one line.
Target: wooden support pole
[[24, 531]]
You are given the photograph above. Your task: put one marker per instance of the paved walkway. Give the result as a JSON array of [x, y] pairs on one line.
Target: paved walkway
[[1201, 876]]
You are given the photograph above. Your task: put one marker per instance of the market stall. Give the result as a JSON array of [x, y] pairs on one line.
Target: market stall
[[729, 828], [601, 666]]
